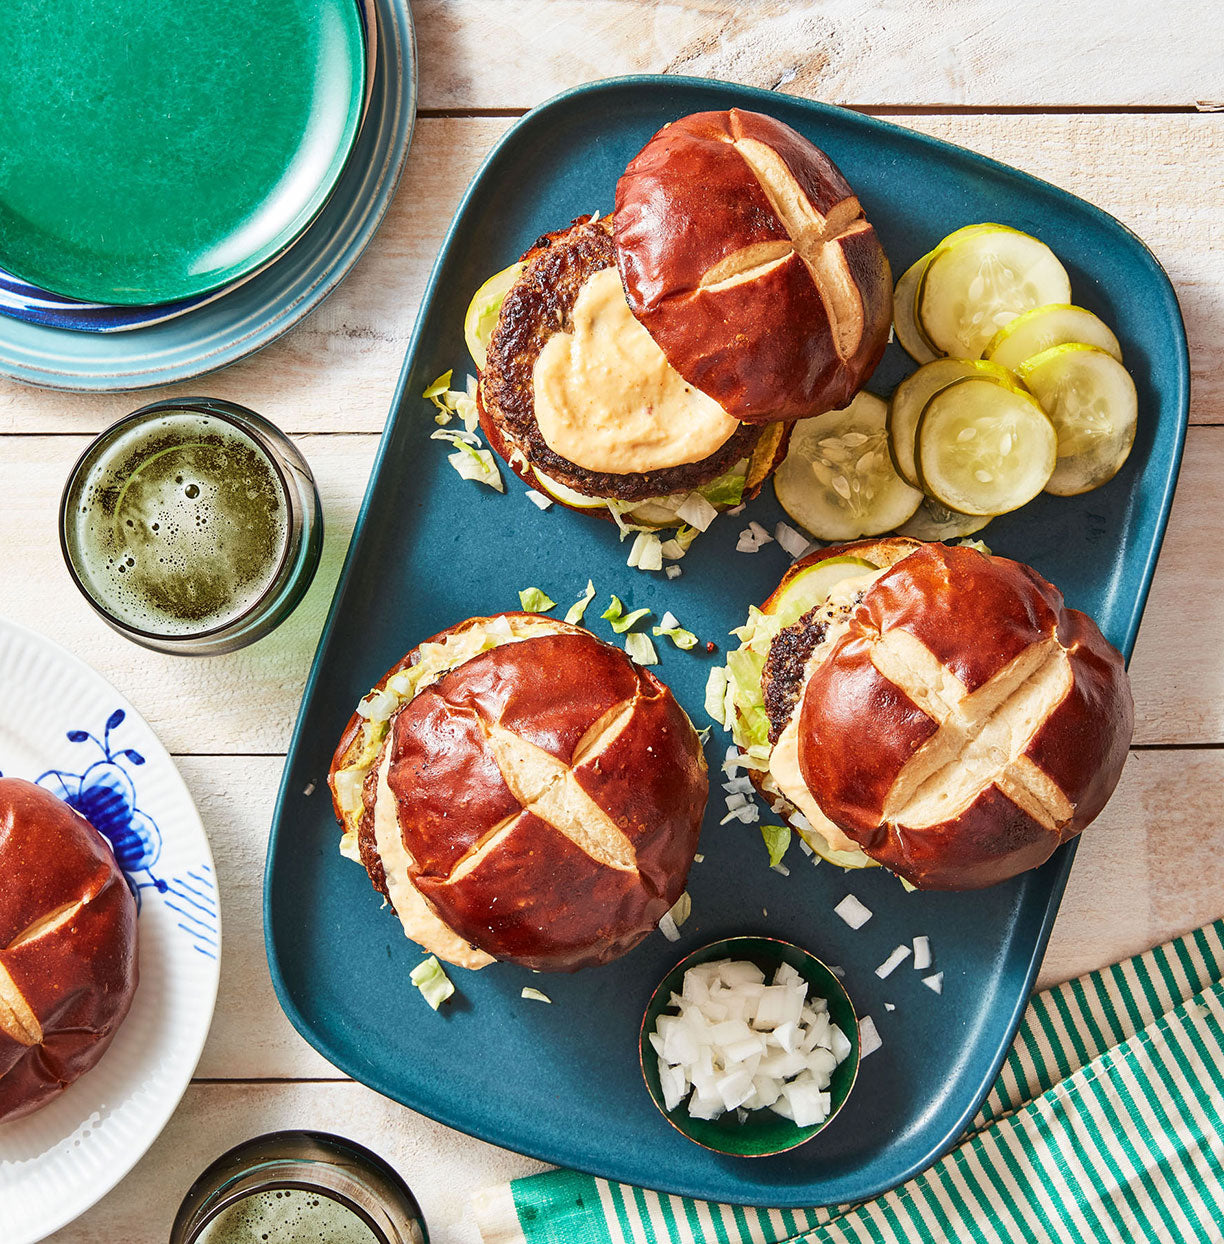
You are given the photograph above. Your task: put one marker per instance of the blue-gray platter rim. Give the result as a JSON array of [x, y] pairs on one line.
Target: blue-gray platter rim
[[257, 310], [561, 1082]]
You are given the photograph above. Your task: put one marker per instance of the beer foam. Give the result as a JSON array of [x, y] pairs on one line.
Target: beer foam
[[287, 1216], [181, 524]]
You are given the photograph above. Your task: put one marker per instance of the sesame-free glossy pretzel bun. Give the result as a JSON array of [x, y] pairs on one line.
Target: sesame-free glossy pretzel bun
[[67, 947], [547, 795], [746, 255], [967, 723]]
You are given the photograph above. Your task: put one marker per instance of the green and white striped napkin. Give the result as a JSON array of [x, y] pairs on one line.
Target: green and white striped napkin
[[1106, 1123]]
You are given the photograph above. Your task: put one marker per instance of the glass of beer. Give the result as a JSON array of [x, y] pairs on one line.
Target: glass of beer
[[298, 1186], [192, 526]]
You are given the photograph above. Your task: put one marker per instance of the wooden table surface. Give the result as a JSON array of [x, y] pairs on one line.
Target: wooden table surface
[[1118, 102]]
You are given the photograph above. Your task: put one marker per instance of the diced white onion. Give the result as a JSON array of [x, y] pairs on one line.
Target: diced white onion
[[854, 913], [740, 1044], [790, 540], [869, 1038], [538, 499], [534, 995], [922, 954], [737, 509], [894, 961], [759, 533], [934, 983], [696, 511], [672, 572]]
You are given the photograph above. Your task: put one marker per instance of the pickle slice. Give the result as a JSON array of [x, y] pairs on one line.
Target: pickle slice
[[976, 285], [933, 521], [1042, 328], [482, 312], [567, 496], [911, 396], [985, 448], [838, 481], [1091, 400], [906, 328]]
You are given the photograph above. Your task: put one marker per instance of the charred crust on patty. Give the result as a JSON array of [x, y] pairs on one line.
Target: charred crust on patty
[[539, 304], [782, 677]]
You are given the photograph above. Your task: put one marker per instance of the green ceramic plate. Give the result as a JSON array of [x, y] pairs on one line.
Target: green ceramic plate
[[762, 1133], [158, 151]]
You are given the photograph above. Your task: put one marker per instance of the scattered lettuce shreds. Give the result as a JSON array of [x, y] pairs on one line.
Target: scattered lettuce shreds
[[672, 919], [432, 981], [647, 552], [478, 465], [533, 600], [640, 648], [579, 607], [777, 840], [716, 695], [619, 620], [469, 460], [439, 386], [670, 627]]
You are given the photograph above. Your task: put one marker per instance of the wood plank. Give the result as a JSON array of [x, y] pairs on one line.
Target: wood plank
[[443, 1168], [1148, 869], [338, 369], [247, 701], [489, 54]]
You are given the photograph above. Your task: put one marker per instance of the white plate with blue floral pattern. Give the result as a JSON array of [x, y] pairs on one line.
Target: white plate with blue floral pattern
[[65, 727]]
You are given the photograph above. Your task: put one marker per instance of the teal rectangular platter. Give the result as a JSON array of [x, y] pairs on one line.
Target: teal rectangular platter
[[561, 1082]]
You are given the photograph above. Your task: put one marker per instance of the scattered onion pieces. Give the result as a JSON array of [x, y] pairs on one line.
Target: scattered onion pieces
[[534, 995], [854, 913], [740, 1044]]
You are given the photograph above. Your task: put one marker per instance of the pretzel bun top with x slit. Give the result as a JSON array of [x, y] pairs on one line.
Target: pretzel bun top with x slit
[[67, 947], [538, 802], [746, 256], [966, 723]]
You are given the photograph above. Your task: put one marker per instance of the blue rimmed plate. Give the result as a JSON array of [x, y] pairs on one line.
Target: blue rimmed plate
[[244, 318], [63, 726], [561, 1082], [22, 301]]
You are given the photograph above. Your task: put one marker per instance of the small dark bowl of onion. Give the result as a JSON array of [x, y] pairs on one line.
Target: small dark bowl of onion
[[750, 1046]]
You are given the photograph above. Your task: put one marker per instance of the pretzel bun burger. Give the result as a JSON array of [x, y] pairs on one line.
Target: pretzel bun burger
[[934, 709], [67, 947], [630, 365], [519, 790]]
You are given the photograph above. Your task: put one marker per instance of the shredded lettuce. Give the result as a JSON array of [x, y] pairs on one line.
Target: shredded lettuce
[[578, 608], [434, 984], [478, 465], [727, 489], [669, 626], [619, 620], [716, 695], [451, 402], [535, 601], [777, 840], [647, 552], [439, 386], [639, 647]]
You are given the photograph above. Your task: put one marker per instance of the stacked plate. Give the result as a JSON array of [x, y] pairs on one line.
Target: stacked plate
[[182, 185]]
